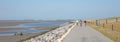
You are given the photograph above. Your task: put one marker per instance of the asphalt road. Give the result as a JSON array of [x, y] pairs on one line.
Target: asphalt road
[[85, 34]]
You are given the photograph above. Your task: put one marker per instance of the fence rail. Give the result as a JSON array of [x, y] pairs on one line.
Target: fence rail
[[112, 23]]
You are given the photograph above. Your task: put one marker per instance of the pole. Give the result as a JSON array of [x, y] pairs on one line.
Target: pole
[[116, 19], [112, 26], [106, 21]]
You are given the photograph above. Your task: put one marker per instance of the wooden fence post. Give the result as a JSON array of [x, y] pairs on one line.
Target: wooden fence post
[[116, 19], [112, 27], [97, 22], [106, 21]]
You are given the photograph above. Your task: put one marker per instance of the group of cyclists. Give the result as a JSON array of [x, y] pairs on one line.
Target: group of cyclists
[[81, 23]]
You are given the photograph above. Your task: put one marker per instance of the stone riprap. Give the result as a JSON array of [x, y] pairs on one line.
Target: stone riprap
[[53, 36]]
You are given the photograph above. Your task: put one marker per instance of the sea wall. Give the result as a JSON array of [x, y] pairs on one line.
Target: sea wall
[[55, 35]]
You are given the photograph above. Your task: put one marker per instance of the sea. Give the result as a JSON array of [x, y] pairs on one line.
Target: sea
[[30, 27]]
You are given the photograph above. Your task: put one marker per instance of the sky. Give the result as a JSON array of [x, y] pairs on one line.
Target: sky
[[58, 9]]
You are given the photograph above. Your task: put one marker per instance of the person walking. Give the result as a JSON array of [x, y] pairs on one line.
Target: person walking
[[80, 22], [85, 22]]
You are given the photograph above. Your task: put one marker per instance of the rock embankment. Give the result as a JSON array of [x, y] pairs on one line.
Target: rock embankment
[[53, 36]]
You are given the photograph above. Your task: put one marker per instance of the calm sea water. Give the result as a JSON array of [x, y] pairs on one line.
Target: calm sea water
[[30, 27]]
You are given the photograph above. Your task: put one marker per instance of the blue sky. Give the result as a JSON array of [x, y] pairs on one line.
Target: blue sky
[[58, 9]]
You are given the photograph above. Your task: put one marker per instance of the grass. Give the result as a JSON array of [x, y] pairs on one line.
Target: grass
[[107, 30], [114, 35]]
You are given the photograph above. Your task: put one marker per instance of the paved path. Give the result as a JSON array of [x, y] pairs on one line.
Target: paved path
[[85, 34]]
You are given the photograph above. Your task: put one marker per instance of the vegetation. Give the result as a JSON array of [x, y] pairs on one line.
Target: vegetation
[[110, 29]]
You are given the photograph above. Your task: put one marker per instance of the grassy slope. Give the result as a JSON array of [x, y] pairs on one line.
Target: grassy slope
[[114, 35], [107, 30]]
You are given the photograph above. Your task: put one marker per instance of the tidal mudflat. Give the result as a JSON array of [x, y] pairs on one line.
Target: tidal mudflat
[[10, 30]]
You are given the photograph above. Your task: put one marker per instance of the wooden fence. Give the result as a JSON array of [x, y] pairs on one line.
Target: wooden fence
[[113, 23]]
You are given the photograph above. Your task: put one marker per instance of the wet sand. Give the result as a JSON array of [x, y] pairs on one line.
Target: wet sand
[[9, 23], [6, 29], [15, 38]]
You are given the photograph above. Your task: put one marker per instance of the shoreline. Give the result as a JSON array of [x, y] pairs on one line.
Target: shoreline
[[56, 35], [16, 38]]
